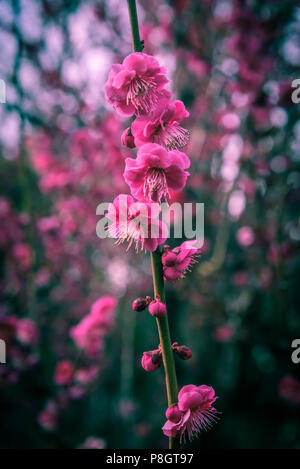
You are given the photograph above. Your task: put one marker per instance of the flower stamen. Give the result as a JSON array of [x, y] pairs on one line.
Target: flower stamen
[[155, 185]]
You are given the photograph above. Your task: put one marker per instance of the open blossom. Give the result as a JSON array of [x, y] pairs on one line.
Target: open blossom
[[178, 261], [136, 85], [162, 126], [136, 222], [155, 171], [89, 333], [193, 413]]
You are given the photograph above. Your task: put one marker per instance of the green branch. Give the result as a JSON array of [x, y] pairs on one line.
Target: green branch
[[137, 43]]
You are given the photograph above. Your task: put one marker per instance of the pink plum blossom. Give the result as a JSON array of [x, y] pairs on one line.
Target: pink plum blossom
[[136, 222], [162, 126], [85, 376], [23, 255], [224, 333], [90, 332], [136, 85], [155, 171], [27, 332], [245, 236], [103, 311], [178, 261], [48, 418], [193, 413], [64, 372]]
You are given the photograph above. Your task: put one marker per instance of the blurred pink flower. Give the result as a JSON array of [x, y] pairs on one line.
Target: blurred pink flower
[[193, 413], [64, 372], [23, 255], [224, 333], [42, 277], [136, 222], [85, 376], [93, 443], [89, 333], [103, 311], [8, 325], [27, 332], [178, 261], [289, 389], [265, 278], [162, 126], [127, 407], [245, 236], [155, 171], [48, 417], [136, 85], [240, 279]]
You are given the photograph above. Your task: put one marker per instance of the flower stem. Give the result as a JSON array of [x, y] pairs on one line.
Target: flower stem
[[137, 44], [164, 335]]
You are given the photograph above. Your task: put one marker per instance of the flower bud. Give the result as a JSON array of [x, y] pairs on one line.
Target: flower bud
[[173, 414], [182, 351], [139, 304], [127, 138], [151, 360], [157, 308], [165, 249]]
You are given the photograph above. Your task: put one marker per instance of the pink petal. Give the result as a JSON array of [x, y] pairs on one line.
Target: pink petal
[[123, 78], [176, 178], [187, 388], [180, 111], [180, 159], [190, 400], [136, 61]]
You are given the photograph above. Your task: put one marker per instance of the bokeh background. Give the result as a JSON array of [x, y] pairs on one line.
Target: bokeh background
[[232, 62]]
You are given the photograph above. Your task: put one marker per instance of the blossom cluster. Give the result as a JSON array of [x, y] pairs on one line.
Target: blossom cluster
[[137, 87]]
